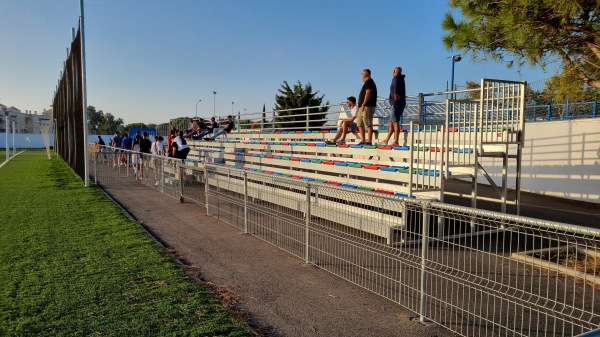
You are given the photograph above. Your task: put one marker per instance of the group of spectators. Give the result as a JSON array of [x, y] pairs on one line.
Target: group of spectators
[[363, 110], [200, 130]]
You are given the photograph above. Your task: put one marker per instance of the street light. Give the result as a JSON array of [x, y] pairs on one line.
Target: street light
[[455, 58], [214, 103], [197, 107]]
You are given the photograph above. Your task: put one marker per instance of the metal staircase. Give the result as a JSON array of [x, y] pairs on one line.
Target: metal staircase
[[482, 131]]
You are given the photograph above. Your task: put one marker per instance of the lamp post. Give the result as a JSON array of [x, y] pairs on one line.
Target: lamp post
[[232, 108], [214, 103], [197, 107], [455, 58]]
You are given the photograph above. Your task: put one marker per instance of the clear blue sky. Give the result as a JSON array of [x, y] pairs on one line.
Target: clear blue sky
[[149, 61]]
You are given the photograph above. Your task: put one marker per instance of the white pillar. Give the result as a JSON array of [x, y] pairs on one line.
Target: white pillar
[[6, 134], [14, 142]]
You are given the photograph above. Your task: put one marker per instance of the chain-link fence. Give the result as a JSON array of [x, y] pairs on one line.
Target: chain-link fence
[[479, 273]]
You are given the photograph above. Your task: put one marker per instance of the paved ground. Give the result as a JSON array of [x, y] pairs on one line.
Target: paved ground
[[281, 295]]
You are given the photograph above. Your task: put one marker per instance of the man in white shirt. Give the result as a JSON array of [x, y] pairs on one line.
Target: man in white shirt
[[346, 124]]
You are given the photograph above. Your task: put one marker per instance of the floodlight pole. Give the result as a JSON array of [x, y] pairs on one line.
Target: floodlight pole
[[455, 58], [197, 107], [214, 103]]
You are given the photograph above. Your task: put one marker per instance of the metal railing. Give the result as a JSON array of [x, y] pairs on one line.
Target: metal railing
[[478, 273]]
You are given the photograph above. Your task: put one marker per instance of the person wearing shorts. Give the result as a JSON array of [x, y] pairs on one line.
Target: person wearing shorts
[[397, 102], [346, 124], [367, 101]]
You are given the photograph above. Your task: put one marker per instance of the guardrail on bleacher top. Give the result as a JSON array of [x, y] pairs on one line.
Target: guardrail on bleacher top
[[422, 107], [513, 276]]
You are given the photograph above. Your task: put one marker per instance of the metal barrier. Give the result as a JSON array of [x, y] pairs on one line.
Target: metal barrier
[[514, 276]]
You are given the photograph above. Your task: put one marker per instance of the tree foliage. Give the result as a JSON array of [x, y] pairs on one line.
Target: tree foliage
[[295, 97], [103, 123], [530, 32]]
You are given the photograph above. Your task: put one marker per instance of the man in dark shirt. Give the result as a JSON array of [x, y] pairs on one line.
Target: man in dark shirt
[[230, 126], [211, 127], [367, 101], [117, 144], [145, 147], [145, 143], [397, 102]]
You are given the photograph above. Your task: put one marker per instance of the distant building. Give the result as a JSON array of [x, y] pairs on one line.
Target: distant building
[[26, 122]]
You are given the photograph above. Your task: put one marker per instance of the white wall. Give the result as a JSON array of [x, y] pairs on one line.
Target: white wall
[[560, 158]]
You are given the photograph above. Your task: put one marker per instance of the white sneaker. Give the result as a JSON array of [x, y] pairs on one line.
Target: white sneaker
[[341, 142], [383, 144]]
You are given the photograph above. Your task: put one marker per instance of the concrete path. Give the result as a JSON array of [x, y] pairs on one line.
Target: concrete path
[[281, 295]]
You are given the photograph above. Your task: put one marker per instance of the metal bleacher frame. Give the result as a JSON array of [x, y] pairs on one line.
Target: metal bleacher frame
[[492, 126], [489, 124]]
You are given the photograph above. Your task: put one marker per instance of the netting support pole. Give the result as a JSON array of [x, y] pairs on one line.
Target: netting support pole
[[84, 91]]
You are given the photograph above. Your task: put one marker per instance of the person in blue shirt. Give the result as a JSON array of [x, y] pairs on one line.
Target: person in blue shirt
[[127, 146], [397, 100]]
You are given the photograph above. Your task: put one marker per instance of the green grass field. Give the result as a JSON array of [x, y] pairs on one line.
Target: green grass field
[[72, 264]]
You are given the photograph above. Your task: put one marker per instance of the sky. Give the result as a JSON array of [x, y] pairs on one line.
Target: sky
[[148, 61]]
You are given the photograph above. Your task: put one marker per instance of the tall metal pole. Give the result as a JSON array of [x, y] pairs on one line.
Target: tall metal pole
[[455, 58], [214, 103], [84, 87], [197, 107], [231, 108]]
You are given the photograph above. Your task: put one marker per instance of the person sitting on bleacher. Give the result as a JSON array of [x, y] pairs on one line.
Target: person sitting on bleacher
[[230, 126], [192, 130], [213, 125], [346, 123], [201, 128]]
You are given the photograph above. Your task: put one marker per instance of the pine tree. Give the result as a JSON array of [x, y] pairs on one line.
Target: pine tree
[[297, 97], [533, 32]]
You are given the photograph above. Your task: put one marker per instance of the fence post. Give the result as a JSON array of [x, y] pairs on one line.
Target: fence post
[[424, 253], [96, 170], [595, 109], [421, 104], [162, 174], [206, 188], [181, 181], [307, 119], [549, 111], [245, 202], [307, 232]]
